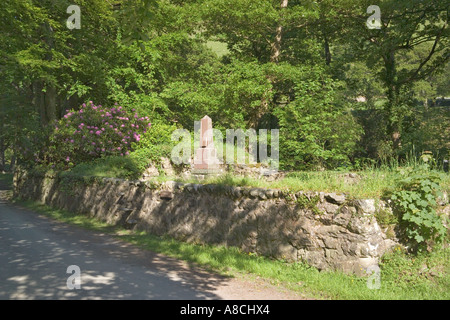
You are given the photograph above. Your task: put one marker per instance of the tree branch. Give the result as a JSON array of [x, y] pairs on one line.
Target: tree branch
[[430, 54]]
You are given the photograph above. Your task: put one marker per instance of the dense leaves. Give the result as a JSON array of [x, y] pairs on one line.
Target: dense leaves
[[317, 128], [297, 66], [94, 132], [415, 203]]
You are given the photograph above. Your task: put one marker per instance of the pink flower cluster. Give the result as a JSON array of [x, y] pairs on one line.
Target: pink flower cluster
[[96, 131]]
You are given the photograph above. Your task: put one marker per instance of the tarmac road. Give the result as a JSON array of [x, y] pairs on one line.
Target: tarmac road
[[35, 253]]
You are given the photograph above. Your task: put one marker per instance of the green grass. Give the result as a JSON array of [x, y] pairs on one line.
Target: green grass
[[110, 167], [370, 184], [395, 282], [402, 277]]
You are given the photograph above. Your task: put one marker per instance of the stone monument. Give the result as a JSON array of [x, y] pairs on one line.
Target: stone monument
[[205, 159]]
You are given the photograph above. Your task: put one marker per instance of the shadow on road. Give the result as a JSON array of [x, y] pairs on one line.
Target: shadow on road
[[36, 251]]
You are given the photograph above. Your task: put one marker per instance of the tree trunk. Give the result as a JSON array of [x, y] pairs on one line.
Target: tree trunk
[[36, 91], [2, 142], [394, 116], [2, 154], [12, 167], [274, 58], [327, 50], [50, 104], [276, 45], [45, 102]]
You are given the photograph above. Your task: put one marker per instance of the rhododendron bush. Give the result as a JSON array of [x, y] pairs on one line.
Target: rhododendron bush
[[93, 132]]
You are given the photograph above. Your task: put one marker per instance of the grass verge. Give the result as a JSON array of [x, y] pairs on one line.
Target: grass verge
[[402, 277], [367, 184]]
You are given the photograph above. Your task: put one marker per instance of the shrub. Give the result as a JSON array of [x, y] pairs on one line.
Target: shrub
[[414, 200], [109, 166], [155, 143], [93, 132]]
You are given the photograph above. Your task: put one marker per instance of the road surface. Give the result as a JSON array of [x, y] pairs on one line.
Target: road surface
[[35, 253]]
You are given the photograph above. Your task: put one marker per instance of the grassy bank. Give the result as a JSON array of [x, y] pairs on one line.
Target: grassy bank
[[368, 183], [424, 276]]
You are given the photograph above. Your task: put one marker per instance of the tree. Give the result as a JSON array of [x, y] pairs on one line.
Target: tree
[[152, 56], [42, 63], [317, 130], [406, 25]]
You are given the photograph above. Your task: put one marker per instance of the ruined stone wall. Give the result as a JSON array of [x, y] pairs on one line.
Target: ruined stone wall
[[327, 230]]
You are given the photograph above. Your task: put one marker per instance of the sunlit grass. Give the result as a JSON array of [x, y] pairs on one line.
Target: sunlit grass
[[367, 184]]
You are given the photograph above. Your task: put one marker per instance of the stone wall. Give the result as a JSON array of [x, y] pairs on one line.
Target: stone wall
[[327, 230]]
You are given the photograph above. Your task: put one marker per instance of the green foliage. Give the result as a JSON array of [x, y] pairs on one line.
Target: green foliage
[[155, 143], [93, 132], [412, 46], [426, 271], [297, 67], [306, 203], [109, 166], [6, 179], [316, 129], [229, 179], [414, 201], [428, 130]]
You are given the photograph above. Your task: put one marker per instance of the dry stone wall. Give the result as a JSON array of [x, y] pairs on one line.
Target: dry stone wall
[[326, 230]]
